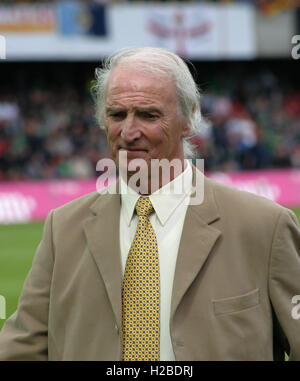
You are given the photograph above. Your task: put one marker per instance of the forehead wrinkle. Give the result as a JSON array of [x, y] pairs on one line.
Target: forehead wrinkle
[[133, 99], [130, 89], [137, 80]]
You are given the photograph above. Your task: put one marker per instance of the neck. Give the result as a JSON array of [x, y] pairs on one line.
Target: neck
[[149, 179]]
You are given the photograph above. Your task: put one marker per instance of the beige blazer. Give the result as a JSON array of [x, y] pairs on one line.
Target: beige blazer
[[237, 270]]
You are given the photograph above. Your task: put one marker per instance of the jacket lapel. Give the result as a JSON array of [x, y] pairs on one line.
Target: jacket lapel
[[102, 233], [197, 240]]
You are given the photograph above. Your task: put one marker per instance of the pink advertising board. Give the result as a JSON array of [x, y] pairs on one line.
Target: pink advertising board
[[32, 200], [281, 186]]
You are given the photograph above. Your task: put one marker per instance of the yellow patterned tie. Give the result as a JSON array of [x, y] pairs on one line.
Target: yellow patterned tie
[[141, 292]]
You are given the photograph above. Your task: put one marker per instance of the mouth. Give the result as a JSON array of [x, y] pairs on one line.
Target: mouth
[[133, 150]]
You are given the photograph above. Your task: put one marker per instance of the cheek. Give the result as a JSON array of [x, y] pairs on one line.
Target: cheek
[[156, 137], [112, 133], [166, 134]]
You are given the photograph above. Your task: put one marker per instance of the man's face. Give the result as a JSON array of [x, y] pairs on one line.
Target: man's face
[[141, 116]]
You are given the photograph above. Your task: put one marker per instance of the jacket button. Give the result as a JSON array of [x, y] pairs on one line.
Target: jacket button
[[116, 329]]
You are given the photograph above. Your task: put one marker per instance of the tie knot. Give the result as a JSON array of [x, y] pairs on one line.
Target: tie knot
[[144, 206]]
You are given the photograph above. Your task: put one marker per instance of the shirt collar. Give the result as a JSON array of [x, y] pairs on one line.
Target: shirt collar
[[163, 200]]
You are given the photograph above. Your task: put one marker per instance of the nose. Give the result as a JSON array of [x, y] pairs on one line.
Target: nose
[[130, 131]]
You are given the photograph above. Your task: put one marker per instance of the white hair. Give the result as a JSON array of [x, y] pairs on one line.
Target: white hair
[[161, 62]]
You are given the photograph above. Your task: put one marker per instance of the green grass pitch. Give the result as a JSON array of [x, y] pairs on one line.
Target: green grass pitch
[[17, 247]]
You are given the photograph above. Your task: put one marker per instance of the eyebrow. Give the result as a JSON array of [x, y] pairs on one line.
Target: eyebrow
[[150, 109], [113, 109], [140, 109]]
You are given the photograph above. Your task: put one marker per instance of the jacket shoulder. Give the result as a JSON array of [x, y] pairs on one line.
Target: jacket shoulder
[[79, 204]]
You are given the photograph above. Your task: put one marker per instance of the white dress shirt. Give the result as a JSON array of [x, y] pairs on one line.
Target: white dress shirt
[[167, 222]]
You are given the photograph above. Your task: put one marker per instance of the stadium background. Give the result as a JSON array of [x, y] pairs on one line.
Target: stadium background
[[48, 133]]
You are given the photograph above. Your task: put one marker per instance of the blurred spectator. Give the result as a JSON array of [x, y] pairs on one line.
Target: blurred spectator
[[295, 159]]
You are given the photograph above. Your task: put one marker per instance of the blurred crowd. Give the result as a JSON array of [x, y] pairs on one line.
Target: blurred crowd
[[255, 129], [49, 131]]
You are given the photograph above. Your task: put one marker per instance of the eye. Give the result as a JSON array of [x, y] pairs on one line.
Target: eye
[[117, 115], [148, 115]]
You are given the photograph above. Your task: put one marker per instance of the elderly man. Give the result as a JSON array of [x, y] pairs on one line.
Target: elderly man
[[145, 274]]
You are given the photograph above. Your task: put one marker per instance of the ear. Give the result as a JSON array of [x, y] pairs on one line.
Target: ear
[[185, 130]]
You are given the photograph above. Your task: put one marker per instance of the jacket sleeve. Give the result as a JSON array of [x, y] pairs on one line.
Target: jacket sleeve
[[284, 281], [24, 335]]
